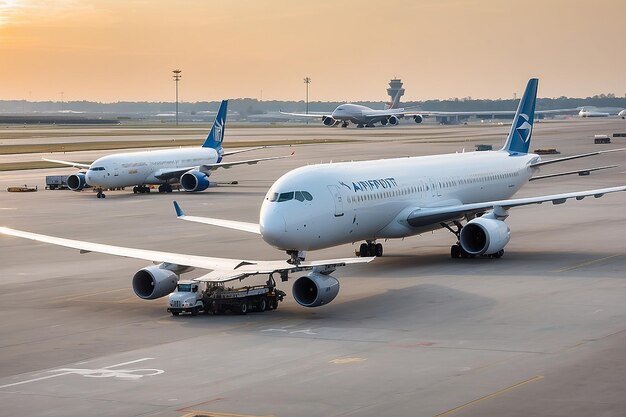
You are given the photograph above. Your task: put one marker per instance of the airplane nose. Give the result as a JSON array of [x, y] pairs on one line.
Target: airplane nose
[[273, 228]]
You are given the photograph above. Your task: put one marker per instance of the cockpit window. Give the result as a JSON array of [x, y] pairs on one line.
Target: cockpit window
[[291, 195], [97, 169], [285, 197]]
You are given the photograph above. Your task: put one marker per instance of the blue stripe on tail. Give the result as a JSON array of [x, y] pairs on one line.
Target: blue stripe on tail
[[518, 140], [216, 135]]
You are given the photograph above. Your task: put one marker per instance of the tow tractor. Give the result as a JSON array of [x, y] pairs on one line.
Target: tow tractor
[[195, 297]]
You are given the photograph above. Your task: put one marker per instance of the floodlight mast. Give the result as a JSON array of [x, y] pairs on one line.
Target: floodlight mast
[[177, 78]]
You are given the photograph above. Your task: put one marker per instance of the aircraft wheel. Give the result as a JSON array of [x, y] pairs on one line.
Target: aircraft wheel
[[364, 250], [104, 195], [161, 188], [498, 254], [455, 251], [378, 249], [175, 313], [135, 190]]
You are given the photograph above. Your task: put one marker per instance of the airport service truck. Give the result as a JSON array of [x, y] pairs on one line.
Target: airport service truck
[[195, 297]]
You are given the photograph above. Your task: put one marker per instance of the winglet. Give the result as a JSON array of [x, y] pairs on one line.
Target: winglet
[[179, 211], [518, 140], [216, 135]]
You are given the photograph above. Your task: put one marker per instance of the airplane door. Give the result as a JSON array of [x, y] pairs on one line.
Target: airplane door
[[334, 190], [116, 172]]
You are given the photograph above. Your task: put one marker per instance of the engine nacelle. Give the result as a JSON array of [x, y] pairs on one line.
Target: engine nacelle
[[484, 236], [418, 118], [315, 289], [194, 181], [393, 120], [329, 121], [154, 282], [76, 182]]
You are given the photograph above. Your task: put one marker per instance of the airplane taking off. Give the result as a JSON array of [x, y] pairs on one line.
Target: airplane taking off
[[190, 167], [321, 206]]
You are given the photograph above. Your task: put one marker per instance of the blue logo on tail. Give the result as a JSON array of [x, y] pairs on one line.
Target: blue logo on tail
[[216, 135], [518, 140]]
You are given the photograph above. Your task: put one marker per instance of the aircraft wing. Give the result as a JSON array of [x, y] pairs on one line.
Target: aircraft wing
[[426, 216], [226, 165], [435, 113], [71, 164], [315, 115], [164, 174], [229, 224], [224, 269], [569, 158]]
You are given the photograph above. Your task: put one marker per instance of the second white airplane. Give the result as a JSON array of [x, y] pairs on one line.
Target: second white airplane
[[189, 167], [321, 206]]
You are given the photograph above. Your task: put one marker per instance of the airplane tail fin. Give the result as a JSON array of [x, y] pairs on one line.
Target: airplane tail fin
[[518, 140], [216, 135]]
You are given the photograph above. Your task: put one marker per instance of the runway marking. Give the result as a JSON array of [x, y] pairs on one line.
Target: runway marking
[[592, 262], [284, 330], [89, 294], [105, 372], [197, 413], [492, 395], [343, 361]]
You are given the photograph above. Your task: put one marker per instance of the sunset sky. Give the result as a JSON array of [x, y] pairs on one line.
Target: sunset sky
[[125, 50]]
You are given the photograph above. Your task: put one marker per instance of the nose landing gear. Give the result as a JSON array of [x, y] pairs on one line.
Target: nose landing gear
[[100, 193]]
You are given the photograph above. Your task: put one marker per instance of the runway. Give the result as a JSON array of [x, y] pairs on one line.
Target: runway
[[539, 332]]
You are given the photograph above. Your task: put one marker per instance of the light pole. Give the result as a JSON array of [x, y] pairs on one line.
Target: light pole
[[307, 81], [177, 78]]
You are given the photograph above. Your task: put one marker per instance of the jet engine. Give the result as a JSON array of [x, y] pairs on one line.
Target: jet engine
[[329, 121], [154, 282], [194, 180], [484, 236], [76, 182], [393, 120], [315, 289], [418, 118]]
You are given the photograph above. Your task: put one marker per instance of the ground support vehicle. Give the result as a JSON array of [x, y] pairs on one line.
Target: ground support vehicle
[[215, 297], [56, 182]]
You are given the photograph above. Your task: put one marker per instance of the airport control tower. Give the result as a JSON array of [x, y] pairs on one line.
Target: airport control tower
[[395, 91]]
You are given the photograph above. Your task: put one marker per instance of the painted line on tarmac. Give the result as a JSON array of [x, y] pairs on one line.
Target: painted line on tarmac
[[592, 262], [70, 372], [492, 395]]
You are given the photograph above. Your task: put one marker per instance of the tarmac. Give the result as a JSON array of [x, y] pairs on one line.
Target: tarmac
[[539, 332]]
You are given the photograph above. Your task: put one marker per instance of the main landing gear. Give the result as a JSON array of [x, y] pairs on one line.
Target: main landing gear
[[165, 188], [141, 189], [370, 248]]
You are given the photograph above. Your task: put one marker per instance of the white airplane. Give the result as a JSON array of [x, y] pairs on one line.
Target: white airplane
[[190, 167], [622, 114], [361, 116], [592, 112], [321, 206]]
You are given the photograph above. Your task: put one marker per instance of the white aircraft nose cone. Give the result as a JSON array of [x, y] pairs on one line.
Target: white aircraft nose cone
[[274, 229]]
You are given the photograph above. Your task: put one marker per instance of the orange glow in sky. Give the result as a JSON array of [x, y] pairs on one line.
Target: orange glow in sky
[[125, 50]]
